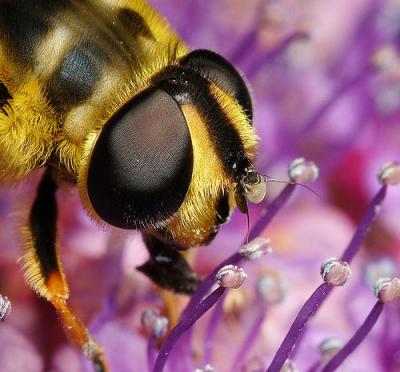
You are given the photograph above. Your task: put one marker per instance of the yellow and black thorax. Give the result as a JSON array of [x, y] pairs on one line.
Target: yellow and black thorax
[[157, 137], [83, 58]]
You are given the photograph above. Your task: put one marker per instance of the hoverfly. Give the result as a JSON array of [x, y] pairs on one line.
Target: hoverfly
[[105, 96]]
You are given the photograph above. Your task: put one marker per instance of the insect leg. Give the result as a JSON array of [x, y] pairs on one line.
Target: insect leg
[[44, 271], [167, 267]]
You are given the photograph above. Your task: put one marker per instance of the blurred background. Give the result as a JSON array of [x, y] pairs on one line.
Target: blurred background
[[325, 81]]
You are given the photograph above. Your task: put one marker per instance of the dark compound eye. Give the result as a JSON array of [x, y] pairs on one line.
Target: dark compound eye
[[219, 70], [141, 165]]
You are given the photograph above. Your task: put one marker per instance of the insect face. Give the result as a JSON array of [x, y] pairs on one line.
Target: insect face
[[170, 158]]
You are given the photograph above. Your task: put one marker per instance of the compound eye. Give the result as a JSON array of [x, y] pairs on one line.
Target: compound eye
[[217, 69], [141, 165]]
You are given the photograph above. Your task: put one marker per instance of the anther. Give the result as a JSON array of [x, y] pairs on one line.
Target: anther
[[329, 348], [335, 272], [5, 307], [289, 366], [206, 368], [231, 276], [256, 248], [303, 171], [154, 323], [387, 289], [383, 268], [389, 174], [385, 58], [271, 289], [234, 302]]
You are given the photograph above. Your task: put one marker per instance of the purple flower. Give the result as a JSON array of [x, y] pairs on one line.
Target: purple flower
[[325, 79]]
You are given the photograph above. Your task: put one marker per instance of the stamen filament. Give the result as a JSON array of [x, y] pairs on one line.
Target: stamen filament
[[364, 226], [185, 323], [211, 331], [272, 210], [151, 352], [356, 340], [250, 338], [321, 293], [261, 62], [306, 312], [237, 258]]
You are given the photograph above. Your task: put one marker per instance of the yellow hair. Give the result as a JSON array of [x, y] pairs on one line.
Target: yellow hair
[[27, 130]]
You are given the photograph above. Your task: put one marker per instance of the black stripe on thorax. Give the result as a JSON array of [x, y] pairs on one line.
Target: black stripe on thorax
[[189, 87], [134, 23], [24, 23], [108, 42], [74, 80], [110, 28]]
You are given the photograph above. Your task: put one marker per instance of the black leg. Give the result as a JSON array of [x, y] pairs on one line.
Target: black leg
[[167, 267], [44, 271]]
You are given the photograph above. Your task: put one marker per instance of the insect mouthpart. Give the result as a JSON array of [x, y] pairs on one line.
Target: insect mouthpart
[[251, 187], [254, 186]]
